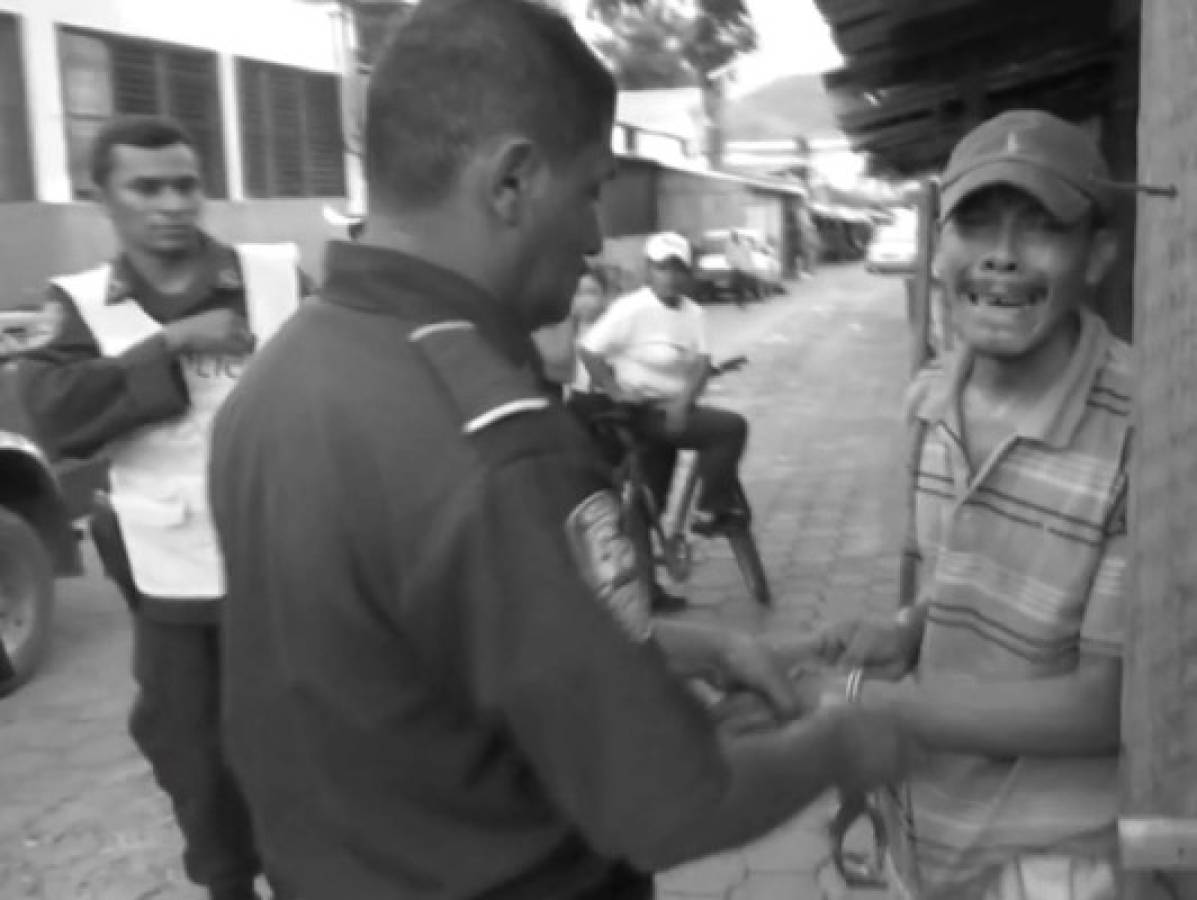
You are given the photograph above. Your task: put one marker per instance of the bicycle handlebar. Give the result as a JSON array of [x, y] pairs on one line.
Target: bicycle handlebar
[[621, 413], [732, 364]]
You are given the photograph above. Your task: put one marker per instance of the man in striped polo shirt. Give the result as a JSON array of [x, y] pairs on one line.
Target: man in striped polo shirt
[[1013, 649]]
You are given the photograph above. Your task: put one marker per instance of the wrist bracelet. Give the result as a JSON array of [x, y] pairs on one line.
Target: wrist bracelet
[[853, 686]]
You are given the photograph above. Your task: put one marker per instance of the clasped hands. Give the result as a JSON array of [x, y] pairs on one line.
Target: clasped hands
[[768, 681]]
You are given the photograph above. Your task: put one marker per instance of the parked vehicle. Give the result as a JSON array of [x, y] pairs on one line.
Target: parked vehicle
[[894, 248], [37, 539], [716, 275], [844, 231]]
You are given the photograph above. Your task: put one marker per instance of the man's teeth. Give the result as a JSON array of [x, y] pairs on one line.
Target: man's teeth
[[978, 298]]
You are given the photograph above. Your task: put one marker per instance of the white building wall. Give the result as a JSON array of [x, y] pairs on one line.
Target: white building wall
[[663, 147], [764, 214], [288, 32]]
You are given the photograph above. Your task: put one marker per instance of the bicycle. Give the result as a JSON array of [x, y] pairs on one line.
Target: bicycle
[[672, 543]]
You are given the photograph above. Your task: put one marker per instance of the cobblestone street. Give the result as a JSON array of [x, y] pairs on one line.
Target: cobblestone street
[[81, 818], [823, 394]]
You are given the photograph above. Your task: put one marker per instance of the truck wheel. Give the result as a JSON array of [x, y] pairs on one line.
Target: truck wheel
[[26, 601]]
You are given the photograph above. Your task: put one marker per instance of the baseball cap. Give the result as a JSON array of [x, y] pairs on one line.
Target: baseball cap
[[667, 245], [1054, 161]]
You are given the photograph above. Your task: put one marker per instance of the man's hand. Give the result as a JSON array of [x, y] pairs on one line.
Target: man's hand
[[885, 649], [747, 663], [872, 748], [796, 649], [215, 331], [818, 688], [730, 671], [745, 689], [742, 712]]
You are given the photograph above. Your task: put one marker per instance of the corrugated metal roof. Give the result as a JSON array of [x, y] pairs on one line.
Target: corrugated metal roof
[[771, 185], [677, 111], [918, 73]]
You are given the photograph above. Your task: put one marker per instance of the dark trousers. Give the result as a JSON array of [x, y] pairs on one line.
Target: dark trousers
[[657, 462], [719, 436], [175, 723]]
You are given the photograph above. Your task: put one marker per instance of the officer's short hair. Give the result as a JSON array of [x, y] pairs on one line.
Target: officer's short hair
[[147, 132], [460, 71]]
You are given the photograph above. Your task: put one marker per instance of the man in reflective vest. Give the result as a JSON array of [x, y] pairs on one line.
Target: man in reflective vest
[[148, 348]]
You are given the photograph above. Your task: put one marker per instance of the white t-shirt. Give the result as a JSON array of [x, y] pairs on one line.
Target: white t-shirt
[[650, 346], [581, 380]]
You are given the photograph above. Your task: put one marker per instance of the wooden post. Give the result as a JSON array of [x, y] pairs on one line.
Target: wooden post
[[918, 286], [1159, 710]]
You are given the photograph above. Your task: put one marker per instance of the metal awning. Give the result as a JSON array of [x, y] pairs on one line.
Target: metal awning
[[918, 73], [778, 186]]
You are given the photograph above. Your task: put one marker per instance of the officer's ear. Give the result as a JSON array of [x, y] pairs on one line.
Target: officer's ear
[[515, 172]]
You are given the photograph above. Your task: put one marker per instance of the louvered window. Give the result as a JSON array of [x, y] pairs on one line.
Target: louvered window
[[105, 75], [16, 170], [292, 140]]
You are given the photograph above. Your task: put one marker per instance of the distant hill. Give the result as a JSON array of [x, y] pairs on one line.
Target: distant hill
[[790, 106]]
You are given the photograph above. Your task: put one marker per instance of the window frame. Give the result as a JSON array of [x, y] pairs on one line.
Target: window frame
[[209, 138], [261, 159], [23, 176]]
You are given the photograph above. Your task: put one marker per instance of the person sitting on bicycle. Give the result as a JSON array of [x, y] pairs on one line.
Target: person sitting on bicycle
[[563, 365], [649, 349]]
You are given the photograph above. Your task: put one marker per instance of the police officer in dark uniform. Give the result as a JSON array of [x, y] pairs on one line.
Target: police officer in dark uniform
[[148, 346], [442, 679]]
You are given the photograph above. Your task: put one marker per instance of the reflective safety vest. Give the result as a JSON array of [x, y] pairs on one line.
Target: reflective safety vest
[[158, 473]]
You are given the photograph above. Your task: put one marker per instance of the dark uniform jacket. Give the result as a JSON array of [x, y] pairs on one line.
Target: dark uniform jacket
[[439, 682], [81, 400]]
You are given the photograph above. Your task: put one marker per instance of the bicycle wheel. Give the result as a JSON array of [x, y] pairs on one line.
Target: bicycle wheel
[[642, 523], [748, 558]]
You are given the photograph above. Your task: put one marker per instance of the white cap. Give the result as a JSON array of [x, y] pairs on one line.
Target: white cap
[[667, 245]]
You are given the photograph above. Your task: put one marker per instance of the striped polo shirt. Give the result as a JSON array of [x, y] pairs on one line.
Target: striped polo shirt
[[1024, 569]]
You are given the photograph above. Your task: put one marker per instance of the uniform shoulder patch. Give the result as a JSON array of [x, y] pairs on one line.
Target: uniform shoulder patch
[[24, 330], [485, 387], [606, 559]]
